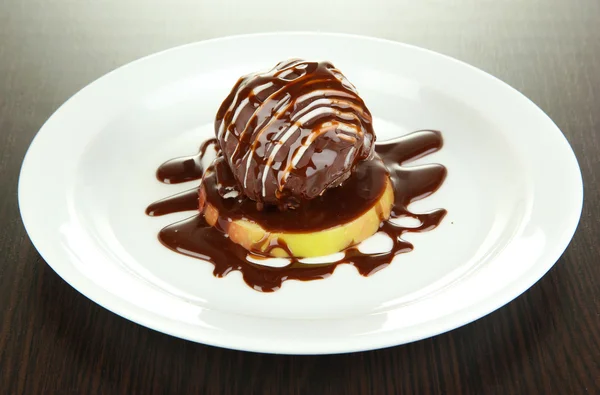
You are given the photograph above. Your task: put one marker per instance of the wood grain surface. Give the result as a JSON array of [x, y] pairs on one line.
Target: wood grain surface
[[53, 340]]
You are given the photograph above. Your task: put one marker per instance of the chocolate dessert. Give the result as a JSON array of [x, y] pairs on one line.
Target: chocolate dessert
[[297, 174]]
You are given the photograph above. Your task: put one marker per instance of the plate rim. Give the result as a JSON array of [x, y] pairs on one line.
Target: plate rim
[[153, 321]]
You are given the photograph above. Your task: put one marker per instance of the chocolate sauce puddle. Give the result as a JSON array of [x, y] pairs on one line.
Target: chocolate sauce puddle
[[196, 238], [184, 201], [185, 168]]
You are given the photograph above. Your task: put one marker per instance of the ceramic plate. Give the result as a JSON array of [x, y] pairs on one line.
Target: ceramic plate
[[513, 195]]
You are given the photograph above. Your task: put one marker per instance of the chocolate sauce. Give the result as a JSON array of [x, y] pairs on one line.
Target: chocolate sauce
[[184, 201], [367, 264], [196, 238], [185, 168]]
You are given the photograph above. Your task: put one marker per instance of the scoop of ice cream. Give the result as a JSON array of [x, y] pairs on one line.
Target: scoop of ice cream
[[290, 133]]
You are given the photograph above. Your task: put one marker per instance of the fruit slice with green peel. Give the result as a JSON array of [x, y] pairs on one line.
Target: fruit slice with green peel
[[328, 241]]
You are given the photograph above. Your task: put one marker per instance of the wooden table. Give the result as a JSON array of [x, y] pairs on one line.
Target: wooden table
[[55, 341]]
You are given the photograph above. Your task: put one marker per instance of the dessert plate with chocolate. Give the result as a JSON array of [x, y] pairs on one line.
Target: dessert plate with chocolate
[[300, 192]]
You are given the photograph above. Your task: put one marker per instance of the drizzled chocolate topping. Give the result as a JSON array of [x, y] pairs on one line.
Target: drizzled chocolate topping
[[292, 132]]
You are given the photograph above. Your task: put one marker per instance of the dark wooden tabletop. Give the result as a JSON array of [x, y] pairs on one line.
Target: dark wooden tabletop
[[55, 341]]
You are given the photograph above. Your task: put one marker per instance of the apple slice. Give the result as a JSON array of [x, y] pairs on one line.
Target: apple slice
[[328, 241]]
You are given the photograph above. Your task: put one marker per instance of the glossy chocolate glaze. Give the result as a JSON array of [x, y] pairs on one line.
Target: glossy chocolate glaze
[[290, 133], [194, 237], [185, 168], [183, 201]]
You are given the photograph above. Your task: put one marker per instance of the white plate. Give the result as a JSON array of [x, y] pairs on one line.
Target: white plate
[[513, 195]]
